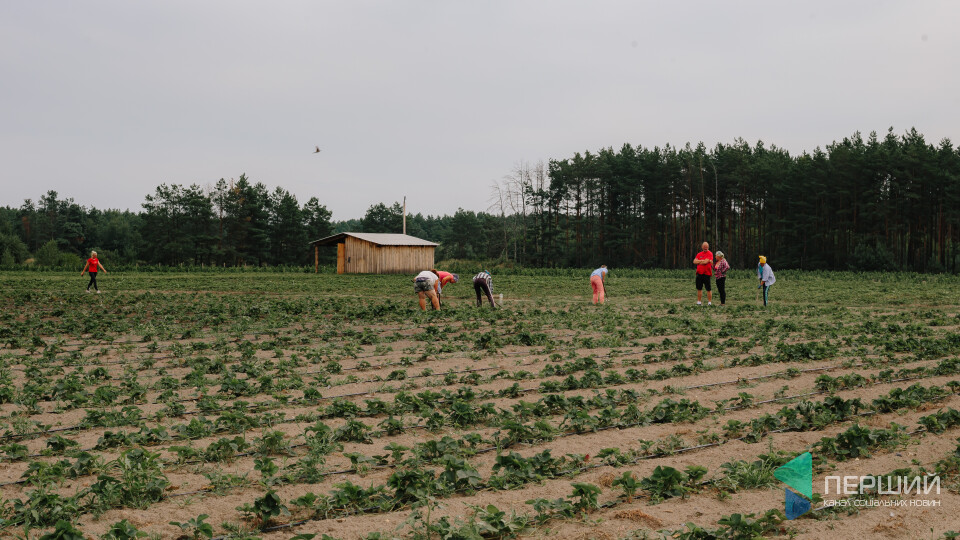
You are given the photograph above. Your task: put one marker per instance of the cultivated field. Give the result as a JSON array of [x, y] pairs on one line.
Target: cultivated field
[[280, 405]]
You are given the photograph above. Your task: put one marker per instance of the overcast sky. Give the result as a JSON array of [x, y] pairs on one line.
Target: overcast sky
[[103, 101]]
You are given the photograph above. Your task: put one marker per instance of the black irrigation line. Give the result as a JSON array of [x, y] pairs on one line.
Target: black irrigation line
[[102, 343], [78, 345]]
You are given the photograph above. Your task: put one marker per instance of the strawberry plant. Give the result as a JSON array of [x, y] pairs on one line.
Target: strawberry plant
[[64, 530], [264, 509], [859, 441], [664, 483], [194, 528], [941, 420], [629, 484], [123, 530]]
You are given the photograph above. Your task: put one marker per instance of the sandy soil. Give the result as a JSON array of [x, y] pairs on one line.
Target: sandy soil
[[372, 366]]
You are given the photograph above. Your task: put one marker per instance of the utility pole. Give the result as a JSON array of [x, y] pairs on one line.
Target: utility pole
[[404, 214]]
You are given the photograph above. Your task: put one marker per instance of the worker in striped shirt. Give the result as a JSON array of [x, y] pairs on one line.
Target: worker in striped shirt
[[484, 282]]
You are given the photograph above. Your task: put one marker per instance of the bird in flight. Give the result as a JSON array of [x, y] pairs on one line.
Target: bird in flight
[[317, 151]]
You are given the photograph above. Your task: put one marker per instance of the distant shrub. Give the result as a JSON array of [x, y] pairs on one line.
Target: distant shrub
[[872, 259], [48, 254]]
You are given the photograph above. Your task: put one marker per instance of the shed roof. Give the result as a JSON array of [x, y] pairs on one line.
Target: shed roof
[[380, 239]]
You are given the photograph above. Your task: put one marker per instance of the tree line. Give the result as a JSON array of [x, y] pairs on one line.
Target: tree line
[[231, 224], [890, 203]]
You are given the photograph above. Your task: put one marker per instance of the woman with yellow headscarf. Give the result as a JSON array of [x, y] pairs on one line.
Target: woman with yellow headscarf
[[766, 278]]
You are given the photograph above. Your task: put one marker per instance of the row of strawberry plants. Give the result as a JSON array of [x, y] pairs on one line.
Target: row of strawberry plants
[[461, 414], [812, 416], [575, 421], [239, 385], [232, 386], [940, 369], [412, 485]]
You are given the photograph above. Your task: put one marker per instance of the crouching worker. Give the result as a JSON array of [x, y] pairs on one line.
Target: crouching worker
[[483, 282], [426, 284]]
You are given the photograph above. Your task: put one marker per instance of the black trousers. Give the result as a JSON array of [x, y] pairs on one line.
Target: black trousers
[[93, 281], [481, 286], [722, 289]]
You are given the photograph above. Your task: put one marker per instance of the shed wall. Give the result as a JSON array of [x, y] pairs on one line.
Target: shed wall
[[362, 257], [405, 259]]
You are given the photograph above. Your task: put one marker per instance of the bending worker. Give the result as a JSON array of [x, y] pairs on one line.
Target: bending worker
[[597, 281], [483, 282], [446, 278], [427, 284]]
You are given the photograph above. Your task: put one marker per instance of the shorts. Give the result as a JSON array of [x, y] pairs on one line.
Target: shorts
[[422, 285], [703, 280]]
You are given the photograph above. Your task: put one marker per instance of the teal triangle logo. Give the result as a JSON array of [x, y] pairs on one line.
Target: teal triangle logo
[[798, 474]]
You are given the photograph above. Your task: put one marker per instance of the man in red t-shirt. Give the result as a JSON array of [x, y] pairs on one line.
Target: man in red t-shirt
[[704, 262]]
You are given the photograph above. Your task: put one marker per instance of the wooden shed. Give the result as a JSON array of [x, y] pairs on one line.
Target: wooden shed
[[377, 253]]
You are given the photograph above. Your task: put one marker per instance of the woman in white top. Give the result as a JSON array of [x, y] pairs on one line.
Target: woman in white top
[[426, 284]]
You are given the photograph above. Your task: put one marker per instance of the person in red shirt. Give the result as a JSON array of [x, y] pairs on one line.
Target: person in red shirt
[[446, 278], [93, 266], [704, 262]]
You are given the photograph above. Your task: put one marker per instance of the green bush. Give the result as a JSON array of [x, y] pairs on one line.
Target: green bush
[[48, 254], [872, 259]]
